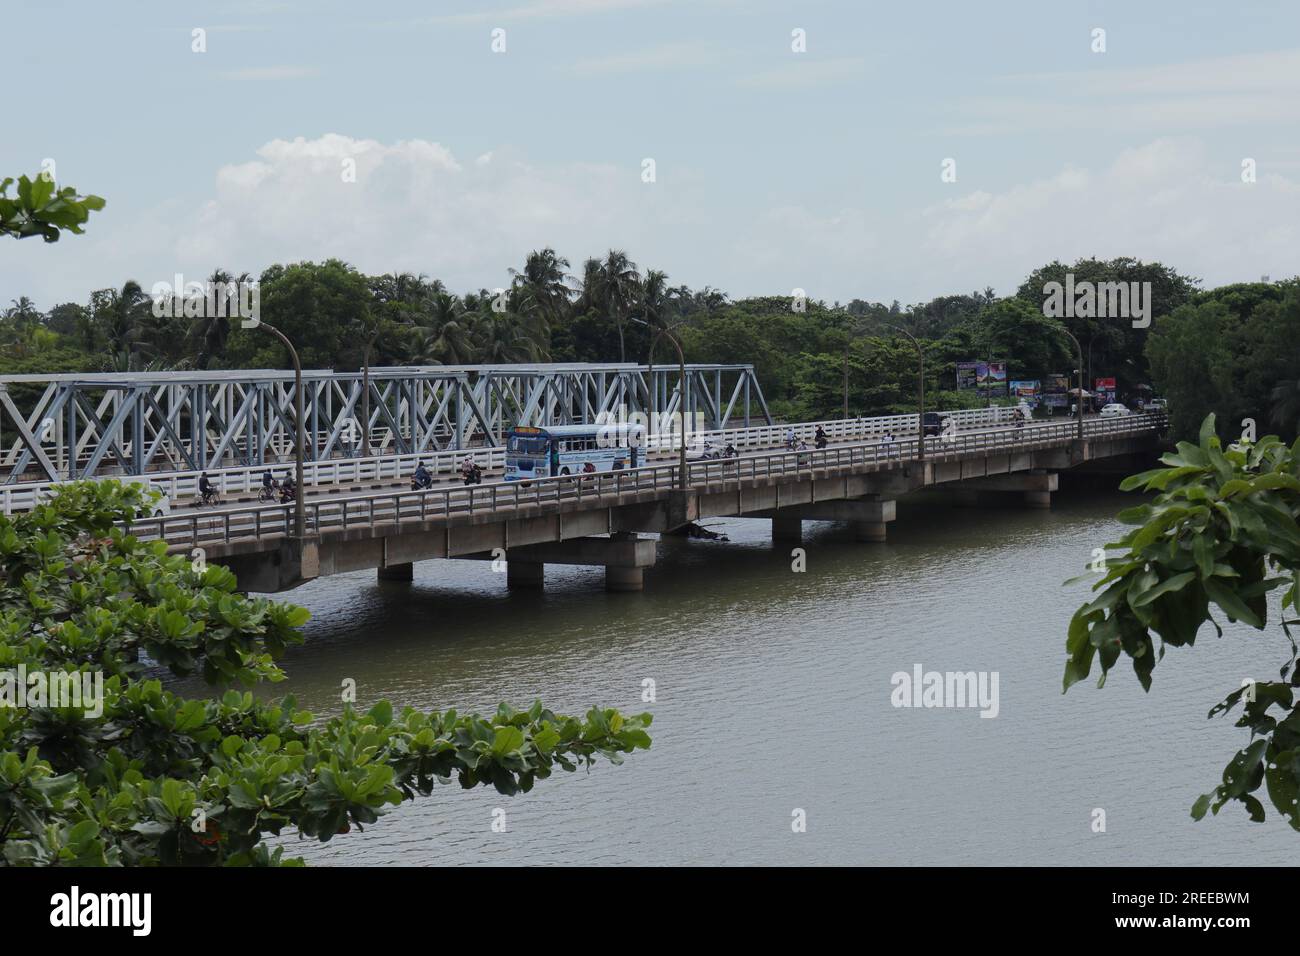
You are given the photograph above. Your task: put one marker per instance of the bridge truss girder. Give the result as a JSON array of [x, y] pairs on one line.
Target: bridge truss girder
[[87, 424]]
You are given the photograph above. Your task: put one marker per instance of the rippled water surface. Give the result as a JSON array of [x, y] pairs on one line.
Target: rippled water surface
[[773, 693]]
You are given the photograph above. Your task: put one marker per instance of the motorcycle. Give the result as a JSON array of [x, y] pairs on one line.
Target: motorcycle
[[473, 475], [288, 494], [421, 484]]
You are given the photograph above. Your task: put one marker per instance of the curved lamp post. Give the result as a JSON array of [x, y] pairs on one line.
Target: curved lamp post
[[365, 395], [650, 375], [920, 391], [1078, 349], [299, 516]]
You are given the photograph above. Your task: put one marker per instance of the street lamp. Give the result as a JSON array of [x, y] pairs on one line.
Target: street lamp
[[1079, 353], [920, 390], [1090, 341], [365, 395], [650, 379], [300, 440]]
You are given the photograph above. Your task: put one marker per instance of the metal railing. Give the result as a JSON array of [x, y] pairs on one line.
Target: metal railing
[[395, 508], [333, 473]]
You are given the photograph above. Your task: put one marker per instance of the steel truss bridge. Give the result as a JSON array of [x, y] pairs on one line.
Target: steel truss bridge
[[78, 425]]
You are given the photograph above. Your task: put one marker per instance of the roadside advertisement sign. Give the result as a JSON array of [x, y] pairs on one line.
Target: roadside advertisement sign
[[1105, 390]]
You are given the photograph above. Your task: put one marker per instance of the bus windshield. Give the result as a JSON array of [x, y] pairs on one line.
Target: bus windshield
[[527, 444]]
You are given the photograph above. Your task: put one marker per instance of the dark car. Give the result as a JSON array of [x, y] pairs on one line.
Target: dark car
[[933, 423]]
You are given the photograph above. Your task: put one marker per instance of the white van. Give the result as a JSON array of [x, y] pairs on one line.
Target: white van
[[162, 508]]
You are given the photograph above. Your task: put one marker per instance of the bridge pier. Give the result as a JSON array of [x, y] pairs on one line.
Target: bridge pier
[[524, 575], [869, 517], [623, 555], [786, 529], [1034, 487], [619, 579], [397, 572]]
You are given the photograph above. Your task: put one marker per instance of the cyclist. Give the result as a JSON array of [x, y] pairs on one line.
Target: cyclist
[[206, 492]]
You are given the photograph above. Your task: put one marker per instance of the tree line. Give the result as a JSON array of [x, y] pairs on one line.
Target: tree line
[[1234, 350]]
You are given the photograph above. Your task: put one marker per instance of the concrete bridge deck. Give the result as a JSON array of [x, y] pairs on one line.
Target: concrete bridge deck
[[595, 519]]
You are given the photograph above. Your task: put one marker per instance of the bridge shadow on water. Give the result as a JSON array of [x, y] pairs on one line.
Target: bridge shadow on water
[[457, 623]]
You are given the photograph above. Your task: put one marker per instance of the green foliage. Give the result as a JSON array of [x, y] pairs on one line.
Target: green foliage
[[39, 209], [157, 779], [1228, 352], [1221, 533]]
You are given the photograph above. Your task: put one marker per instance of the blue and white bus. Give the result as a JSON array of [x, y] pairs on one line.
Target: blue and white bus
[[572, 450]]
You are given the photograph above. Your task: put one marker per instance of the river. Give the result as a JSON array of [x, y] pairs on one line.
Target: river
[[773, 695]]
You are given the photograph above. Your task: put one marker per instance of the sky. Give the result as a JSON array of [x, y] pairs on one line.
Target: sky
[[757, 147]]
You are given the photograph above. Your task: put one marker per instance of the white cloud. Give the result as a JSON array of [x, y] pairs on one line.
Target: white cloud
[[415, 206], [1250, 89], [1166, 200]]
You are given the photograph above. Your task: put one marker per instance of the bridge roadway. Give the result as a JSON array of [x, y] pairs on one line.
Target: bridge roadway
[[343, 476], [598, 519]]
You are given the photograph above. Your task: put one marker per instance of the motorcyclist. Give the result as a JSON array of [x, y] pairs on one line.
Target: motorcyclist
[[288, 489], [729, 451], [819, 438], [422, 477]]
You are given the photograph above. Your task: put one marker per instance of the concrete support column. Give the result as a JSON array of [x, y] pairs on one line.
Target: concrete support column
[[1034, 488], [624, 579], [524, 574], [787, 530], [870, 530], [398, 572]]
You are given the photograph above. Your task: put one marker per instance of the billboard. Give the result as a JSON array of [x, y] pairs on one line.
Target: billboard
[[1056, 389], [1027, 389], [992, 375], [987, 377], [1105, 390]]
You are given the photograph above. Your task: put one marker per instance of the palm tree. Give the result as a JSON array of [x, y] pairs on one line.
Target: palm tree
[[655, 305], [616, 288], [119, 315], [212, 331], [1285, 413], [19, 325], [541, 290], [502, 339], [445, 336]]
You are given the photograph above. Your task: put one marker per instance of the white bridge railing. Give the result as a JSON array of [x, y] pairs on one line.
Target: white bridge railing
[[339, 514], [336, 472]]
